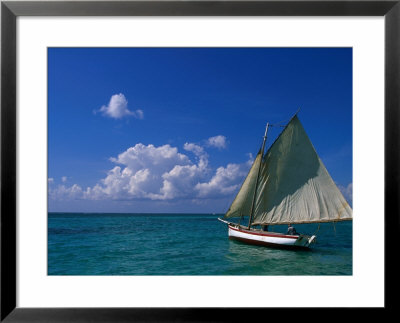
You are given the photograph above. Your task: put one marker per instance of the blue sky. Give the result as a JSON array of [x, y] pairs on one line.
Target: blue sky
[[175, 129]]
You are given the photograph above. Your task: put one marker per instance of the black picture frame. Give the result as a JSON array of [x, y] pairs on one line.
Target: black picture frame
[[10, 10]]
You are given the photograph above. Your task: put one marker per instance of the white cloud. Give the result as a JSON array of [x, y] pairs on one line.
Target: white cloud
[[224, 182], [217, 141], [160, 173], [139, 114], [181, 180], [64, 179], [117, 108], [62, 192], [347, 192], [161, 158], [50, 180], [196, 149], [143, 174]]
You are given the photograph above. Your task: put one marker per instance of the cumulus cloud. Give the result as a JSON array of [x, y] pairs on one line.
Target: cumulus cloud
[[160, 173], [61, 192], [160, 158], [149, 172], [217, 141], [347, 192], [196, 149], [140, 175], [139, 114], [64, 179], [181, 180], [224, 182], [117, 108]]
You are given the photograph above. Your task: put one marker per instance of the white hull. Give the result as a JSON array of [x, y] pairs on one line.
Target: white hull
[[270, 239]]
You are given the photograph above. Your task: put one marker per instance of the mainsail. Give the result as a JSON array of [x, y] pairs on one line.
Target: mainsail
[[293, 185]]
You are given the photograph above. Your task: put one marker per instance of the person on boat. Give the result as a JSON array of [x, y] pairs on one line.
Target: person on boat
[[265, 227], [291, 230]]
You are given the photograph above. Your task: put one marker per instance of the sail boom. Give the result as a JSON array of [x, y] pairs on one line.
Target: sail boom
[[302, 222]]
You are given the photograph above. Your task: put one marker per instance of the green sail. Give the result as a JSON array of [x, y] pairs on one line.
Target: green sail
[[294, 185], [241, 205]]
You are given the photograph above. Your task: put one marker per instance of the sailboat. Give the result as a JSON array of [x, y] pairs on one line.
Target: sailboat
[[289, 185]]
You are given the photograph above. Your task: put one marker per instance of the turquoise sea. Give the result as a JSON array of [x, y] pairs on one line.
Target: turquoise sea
[[183, 244]]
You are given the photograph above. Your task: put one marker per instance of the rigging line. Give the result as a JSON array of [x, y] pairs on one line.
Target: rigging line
[[334, 227], [321, 230], [316, 231], [283, 123]]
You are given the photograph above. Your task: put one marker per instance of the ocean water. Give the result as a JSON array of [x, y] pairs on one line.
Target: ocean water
[[184, 244]]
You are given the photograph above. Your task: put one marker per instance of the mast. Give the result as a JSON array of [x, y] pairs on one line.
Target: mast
[[258, 175]]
